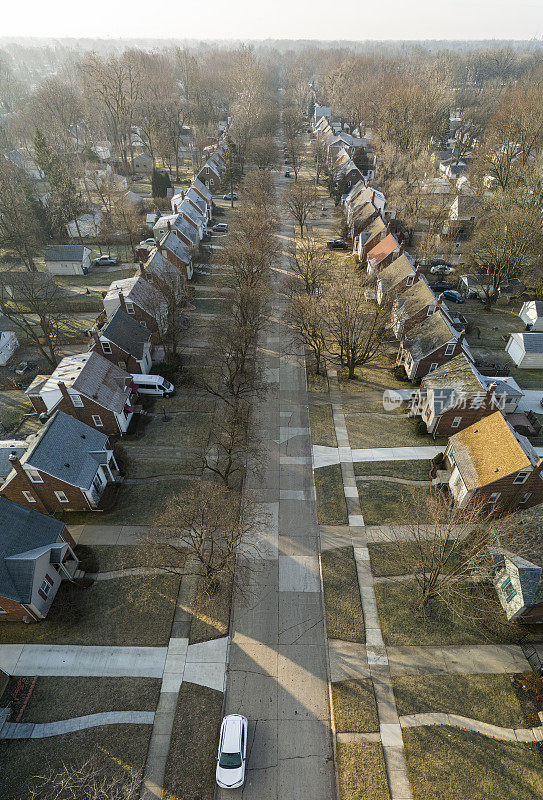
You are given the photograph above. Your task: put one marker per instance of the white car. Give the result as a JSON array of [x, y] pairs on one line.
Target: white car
[[230, 773], [229, 196], [441, 269], [148, 242]]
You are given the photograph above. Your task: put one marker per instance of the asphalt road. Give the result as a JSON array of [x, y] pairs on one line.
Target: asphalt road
[[277, 670]]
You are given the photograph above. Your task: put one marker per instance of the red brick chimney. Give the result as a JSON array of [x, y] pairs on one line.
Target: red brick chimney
[[159, 247], [29, 486], [122, 303], [169, 225], [175, 208], [400, 252], [142, 269], [373, 198], [96, 337], [388, 228]]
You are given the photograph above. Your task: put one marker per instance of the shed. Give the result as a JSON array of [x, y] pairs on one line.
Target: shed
[[67, 259], [526, 350], [531, 314]]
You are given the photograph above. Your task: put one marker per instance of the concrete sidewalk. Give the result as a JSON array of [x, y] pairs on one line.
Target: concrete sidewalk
[[325, 456]]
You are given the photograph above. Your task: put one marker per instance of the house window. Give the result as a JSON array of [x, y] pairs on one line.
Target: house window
[[61, 497], [207, 170], [129, 308], [456, 422], [506, 584], [45, 587], [410, 281], [77, 401], [34, 475], [29, 497], [106, 348], [521, 477], [434, 365], [430, 311], [525, 497], [494, 497], [510, 596], [449, 350], [97, 421]]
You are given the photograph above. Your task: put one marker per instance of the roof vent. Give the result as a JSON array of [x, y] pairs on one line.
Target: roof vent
[[83, 435], [66, 465]]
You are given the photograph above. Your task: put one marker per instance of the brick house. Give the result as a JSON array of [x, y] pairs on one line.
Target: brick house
[[210, 176], [202, 190], [194, 211], [35, 557], [491, 464], [369, 237], [90, 388], [429, 345], [396, 278], [176, 223], [412, 306], [67, 467], [124, 342], [177, 252], [383, 254], [141, 300], [456, 395], [161, 272]]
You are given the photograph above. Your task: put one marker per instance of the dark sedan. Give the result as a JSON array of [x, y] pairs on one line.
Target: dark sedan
[[337, 244]]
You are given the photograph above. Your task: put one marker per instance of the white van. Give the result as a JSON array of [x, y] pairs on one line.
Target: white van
[[155, 385]]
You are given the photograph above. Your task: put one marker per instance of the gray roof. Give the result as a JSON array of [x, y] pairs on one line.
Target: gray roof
[[532, 342], [65, 252], [157, 264], [6, 449], [24, 531], [430, 334], [127, 333], [195, 198], [202, 189], [68, 450], [173, 243], [186, 229]]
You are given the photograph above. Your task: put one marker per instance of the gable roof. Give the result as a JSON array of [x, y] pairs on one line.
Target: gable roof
[[138, 291], [174, 244], [400, 269], [458, 373], [157, 264], [530, 342], [66, 252], [193, 197], [67, 449], [92, 375], [23, 530], [213, 167], [185, 228], [202, 190], [413, 299], [127, 333], [490, 450], [430, 334], [383, 249]]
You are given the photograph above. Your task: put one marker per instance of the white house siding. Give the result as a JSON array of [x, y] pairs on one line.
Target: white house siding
[[42, 568], [64, 267], [522, 359]]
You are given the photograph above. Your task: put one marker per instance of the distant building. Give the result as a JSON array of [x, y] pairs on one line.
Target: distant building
[[67, 259]]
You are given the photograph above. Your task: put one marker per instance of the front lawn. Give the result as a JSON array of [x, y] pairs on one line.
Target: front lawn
[[211, 612], [178, 430], [343, 608], [355, 709], [491, 329], [55, 698], [136, 610], [331, 505], [398, 558], [488, 698], [119, 556], [385, 430], [190, 768], [446, 763], [401, 624], [114, 751], [322, 425], [384, 503], [361, 771], [408, 470]]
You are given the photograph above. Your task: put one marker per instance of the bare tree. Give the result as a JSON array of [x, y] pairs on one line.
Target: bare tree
[[263, 152], [300, 201], [20, 228], [310, 264], [37, 306], [305, 316], [213, 524]]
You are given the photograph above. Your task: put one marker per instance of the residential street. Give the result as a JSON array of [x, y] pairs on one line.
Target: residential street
[[277, 673]]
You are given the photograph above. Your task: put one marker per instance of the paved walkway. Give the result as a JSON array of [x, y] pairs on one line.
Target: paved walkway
[[390, 479], [519, 735], [277, 674], [124, 573], [376, 661], [325, 456], [43, 730]]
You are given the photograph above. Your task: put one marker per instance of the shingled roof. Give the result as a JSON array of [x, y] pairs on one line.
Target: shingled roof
[[400, 269], [426, 337], [127, 333], [65, 252]]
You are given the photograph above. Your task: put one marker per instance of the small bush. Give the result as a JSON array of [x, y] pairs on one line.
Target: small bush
[[437, 460], [421, 428], [399, 373]]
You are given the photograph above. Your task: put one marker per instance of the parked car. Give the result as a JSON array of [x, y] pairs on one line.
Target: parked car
[[453, 296], [337, 244], [220, 227], [440, 286], [229, 196], [155, 385], [441, 269], [148, 242], [287, 174], [287, 161], [106, 261], [232, 755]]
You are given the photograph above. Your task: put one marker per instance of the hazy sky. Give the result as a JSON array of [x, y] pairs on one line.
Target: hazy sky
[[283, 19]]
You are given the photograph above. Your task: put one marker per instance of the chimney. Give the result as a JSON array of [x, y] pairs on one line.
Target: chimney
[[175, 208], [122, 303], [439, 301], [96, 337], [388, 227], [64, 392], [159, 247], [373, 198], [400, 253], [18, 467], [169, 225], [142, 269]]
